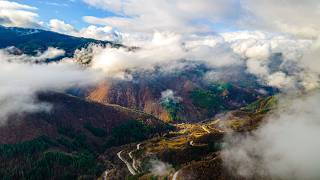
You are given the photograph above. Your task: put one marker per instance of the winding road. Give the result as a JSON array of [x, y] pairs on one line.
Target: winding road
[[175, 175], [214, 129], [191, 143], [134, 163], [205, 129], [133, 169], [105, 175], [138, 146], [130, 168]]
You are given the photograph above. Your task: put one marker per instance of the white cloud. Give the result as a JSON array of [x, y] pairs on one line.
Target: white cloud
[[258, 67], [50, 53], [289, 16], [312, 57], [100, 33], [165, 48], [18, 15], [292, 16], [276, 59], [14, 5], [280, 80], [162, 15], [61, 27], [190, 20], [169, 95], [160, 168], [111, 5], [21, 79], [285, 147], [94, 32]]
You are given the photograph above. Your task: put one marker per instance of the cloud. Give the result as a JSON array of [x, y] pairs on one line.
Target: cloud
[[21, 79], [311, 57], [275, 58], [18, 15], [279, 60], [57, 4], [283, 148], [15, 5], [169, 95], [291, 16], [94, 32], [279, 80], [165, 48], [160, 168], [161, 15], [100, 33], [50, 53], [203, 15], [61, 27], [111, 5]]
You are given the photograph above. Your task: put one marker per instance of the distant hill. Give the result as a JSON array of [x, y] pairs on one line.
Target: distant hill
[[32, 40]]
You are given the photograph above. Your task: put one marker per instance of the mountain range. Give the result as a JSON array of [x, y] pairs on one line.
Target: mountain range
[[31, 41], [121, 129]]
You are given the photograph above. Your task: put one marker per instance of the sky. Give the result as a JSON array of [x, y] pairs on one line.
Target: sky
[[70, 11], [101, 19], [74, 17]]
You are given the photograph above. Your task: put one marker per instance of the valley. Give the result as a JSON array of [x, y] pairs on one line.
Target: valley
[[189, 152]]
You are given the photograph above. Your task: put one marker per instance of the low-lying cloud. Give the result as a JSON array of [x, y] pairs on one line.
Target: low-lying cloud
[[21, 78], [160, 168], [169, 95], [50, 53], [285, 147], [165, 48], [277, 60]]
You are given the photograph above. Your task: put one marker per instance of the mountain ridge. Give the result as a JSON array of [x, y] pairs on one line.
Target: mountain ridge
[[30, 41]]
